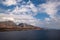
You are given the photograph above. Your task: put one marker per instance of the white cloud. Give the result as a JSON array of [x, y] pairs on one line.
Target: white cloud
[[50, 7], [28, 8], [22, 14], [9, 2], [19, 19], [53, 24], [25, 13]]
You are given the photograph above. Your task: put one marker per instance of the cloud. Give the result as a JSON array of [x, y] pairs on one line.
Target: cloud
[[28, 19], [11, 2], [25, 12], [22, 14], [29, 8], [50, 8], [52, 24], [25, 8]]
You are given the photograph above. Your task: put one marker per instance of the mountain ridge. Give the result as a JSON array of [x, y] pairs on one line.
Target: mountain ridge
[[11, 26]]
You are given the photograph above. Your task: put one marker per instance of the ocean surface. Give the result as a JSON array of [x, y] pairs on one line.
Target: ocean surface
[[31, 35]]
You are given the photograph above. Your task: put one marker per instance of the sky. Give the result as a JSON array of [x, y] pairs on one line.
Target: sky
[[40, 13]]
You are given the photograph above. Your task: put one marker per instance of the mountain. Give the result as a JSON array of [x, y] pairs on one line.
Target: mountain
[[25, 25], [7, 24], [11, 26]]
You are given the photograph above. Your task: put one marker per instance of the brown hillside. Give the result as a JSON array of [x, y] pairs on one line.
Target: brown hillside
[[11, 26]]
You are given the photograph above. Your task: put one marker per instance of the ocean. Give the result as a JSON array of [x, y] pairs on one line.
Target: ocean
[[31, 35]]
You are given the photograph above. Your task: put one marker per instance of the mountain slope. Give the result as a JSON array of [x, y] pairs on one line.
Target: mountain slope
[[11, 26]]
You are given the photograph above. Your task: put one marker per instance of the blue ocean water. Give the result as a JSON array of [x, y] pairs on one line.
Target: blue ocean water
[[31, 35]]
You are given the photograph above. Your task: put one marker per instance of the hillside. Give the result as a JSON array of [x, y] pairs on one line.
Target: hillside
[[11, 26]]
